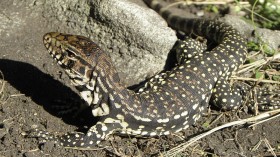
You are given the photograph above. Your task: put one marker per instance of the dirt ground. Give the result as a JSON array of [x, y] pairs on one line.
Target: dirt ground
[[31, 83]]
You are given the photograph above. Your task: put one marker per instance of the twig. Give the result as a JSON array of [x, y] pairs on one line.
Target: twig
[[183, 146], [255, 80], [261, 121], [270, 149], [254, 65]]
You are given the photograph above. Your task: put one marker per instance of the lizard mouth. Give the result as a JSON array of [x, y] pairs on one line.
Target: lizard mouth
[[63, 55]]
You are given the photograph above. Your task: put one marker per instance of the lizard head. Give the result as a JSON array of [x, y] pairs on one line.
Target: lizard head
[[87, 66], [77, 55]]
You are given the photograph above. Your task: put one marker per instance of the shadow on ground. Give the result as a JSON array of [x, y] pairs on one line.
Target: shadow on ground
[[43, 90]]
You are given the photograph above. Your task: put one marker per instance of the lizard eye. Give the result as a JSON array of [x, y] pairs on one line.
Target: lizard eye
[[70, 53]]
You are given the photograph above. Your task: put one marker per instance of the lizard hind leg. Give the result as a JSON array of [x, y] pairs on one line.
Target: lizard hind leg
[[265, 99], [226, 96]]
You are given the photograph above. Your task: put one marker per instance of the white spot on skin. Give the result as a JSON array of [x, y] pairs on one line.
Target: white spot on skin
[[95, 98], [91, 87], [184, 113], [215, 79], [166, 133], [96, 111], [195, 106], [120, 117], [104, 128], [110, 120], [141, 126], [101, 111], [136, 132], [176, 116], [159, 128], [203, 96], [117, 105], [142, 119], [196, 117], [224, 100], [98, 135], [86, 95], [153, 134], [102, 85], [163, 120], [124, 124], [172, 75], [129, 130], [111, 97], [186, 126], [58, 56], [201, 108], [144, 133], [105, 108], [179, 130], [89, 134]]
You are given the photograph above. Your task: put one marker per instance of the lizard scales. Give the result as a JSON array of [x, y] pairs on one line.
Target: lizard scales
[[174, 102]]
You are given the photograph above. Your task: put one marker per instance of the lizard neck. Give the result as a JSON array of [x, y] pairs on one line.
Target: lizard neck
[[104, 89]]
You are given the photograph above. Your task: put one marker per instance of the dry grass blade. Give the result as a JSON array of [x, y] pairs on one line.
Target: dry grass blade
[[180, 148], [270, 149], [255, 80], [264, 120], [257, 64], [253, 66]]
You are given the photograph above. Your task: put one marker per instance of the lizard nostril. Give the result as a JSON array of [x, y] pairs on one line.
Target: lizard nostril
[[47, 40]]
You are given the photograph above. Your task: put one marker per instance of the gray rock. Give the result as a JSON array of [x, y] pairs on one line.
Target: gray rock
[[239, 24], [269, 37], [261, 35], [136, 37], [141, 38]]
